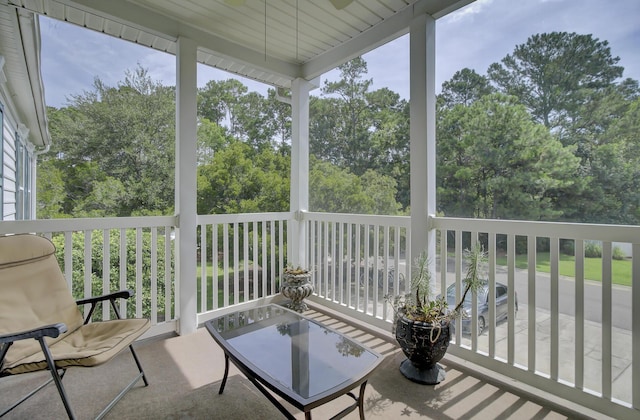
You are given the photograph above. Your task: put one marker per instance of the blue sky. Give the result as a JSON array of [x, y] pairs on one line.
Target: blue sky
[[476, 36]]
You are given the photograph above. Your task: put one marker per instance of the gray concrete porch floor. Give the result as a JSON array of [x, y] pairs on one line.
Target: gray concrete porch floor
[[185, 372]]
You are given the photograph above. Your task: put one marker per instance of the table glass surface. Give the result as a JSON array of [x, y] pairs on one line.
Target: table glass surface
[[299, 353]]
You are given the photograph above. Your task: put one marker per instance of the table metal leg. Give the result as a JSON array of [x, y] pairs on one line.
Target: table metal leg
[[226, 373], [361, 400]]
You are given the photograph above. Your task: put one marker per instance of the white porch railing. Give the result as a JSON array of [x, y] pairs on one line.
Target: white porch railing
[[573, 337], [358, 260], [103, 255], [241, 257], [570, 336]]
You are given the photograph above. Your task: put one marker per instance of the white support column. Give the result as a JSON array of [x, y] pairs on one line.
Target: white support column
[[186, 130], [299, 196], [423, 134]]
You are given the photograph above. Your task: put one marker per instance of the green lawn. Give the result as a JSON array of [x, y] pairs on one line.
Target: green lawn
[[592, 267], [220, 291]]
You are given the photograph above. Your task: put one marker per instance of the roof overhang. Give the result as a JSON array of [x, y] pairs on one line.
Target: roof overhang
[[20, 47], [273, 42]]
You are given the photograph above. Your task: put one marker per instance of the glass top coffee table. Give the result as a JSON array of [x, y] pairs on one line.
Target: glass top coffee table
[[299, 359]]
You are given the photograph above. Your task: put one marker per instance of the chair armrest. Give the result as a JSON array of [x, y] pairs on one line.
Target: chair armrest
[[52, 330], [122, 294]]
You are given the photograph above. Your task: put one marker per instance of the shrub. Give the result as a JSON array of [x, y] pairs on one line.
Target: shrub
[[592, 250], [618, 253], [568, 247], [131, 267]]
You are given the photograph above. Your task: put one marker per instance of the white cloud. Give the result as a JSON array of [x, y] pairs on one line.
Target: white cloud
[[474, 8]]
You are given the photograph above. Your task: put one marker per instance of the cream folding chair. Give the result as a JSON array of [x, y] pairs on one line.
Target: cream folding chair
[[41, 326]]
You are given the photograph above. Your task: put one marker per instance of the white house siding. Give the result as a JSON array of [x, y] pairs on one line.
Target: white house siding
[[9, 196]]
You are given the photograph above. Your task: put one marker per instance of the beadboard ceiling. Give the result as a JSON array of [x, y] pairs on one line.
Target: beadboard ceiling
[[272, 41]]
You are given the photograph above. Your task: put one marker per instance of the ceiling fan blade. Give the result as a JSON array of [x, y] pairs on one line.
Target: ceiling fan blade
[[341, 4]]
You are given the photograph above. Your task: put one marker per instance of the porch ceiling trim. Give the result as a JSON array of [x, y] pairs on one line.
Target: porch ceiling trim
[[388, 30], [130, 14]]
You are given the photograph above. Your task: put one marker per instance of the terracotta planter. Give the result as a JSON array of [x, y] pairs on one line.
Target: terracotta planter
[[296, 287], [424, 345]]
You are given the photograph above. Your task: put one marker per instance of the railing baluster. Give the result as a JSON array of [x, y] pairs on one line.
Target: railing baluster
[[88, 292], [139, 289], [256, 289], [531, 302], [264, 262], [225, 265], [511, 304], [281, 242], [607, 356], [168, 292], [106, 273], [245, 265], [444, 245], [331, 272], [215, 284], [492, 295], [357, 264], [367, 264], [635, 325], [555, 308], [458, 271], [340, 264], [154, 275], [579, 314], [474, 303], [68, 258], [203, 268], [385, 276], [325, 259], [349, 264], [272, 230], [376, 269], [123, 268]]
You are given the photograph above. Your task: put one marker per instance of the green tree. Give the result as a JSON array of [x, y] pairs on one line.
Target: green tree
[[554, 74], [496, 163], [50, 191], [337, 190], [352, 128], [616, 171], [120, 138], [240, 180], [279, 120], [465, 87], [211, 138]]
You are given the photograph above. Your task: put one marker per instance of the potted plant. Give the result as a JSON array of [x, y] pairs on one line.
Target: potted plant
[[422, 322], [296, 285]]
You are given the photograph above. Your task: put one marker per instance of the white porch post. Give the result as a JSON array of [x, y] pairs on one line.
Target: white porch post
[[186, 120], [423, 134], [299, 196]]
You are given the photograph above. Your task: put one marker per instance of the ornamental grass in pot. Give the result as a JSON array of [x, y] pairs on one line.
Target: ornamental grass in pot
[[422, 321]]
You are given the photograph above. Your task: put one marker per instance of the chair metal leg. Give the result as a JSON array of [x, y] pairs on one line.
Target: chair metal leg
[[56, 378], [135, 357]]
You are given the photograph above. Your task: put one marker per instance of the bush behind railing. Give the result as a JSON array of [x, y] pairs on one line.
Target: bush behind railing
[[99, 282]]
